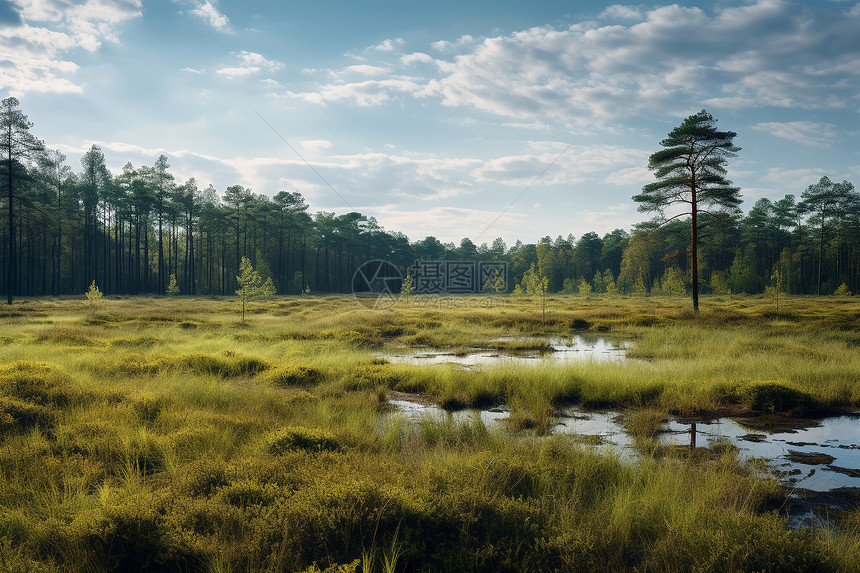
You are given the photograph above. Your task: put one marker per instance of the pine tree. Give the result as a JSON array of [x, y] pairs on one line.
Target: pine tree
[[251, 285], [691, 171]]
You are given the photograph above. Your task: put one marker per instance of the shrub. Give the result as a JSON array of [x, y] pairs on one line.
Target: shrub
[[34, 382], [295, 375], [299, 438], [369, 376], [16, 415], [147, 407], [72, 336], [223, 366], [774, 397], [128, 533]]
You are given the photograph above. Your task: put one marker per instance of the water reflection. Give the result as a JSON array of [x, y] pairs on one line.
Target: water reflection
[[573, 348], [838, 438]]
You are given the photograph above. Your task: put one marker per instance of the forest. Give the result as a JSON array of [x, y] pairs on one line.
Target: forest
[[131, 231]]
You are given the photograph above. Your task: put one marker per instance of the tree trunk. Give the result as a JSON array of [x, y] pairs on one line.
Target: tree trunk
[[10, 273], [694, 247]]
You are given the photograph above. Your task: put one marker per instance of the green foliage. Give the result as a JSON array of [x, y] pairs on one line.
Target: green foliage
[[263, 267], [842, 290], [94, 297], [172, 287], [295, 375], [295, 285], [691, 172], [719, 283], [742, 275], [225, 366], [299, 438], [675, 282], [775, 397], [129, 533], [599, 283], [495, 283], [166, 460], [251, 285], [609, 281], [568, 286], [534, 284], [776, 287], [20, 415], [583, 288], [407, 287]]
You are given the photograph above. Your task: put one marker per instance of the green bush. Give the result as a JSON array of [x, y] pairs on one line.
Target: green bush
[[295, 375], [35, 382], [369, 376], [129, 533], [298, 438], [226, 366], [17, 415], [774, 397]]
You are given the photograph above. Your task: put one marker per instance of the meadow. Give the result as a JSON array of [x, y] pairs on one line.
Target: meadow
[[166, 434]]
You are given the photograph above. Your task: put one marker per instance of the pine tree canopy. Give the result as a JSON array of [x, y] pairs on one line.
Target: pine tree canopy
[[691, 169]]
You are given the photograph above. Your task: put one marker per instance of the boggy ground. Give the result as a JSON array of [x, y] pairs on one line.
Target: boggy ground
[[165, 434]]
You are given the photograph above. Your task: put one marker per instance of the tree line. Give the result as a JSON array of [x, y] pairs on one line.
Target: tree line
[[135, 230]]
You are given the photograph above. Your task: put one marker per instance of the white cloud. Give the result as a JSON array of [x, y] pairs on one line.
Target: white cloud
[[630, 177], [445, 45], [805, 132], [249, 63], [209, 13], [364, 93], [793, 178], [769, 53], [389, 45], [37, 50], [416, 57], [316, 144], [365, 70], [620, 12]]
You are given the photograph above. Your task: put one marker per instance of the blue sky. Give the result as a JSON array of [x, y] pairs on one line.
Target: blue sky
[[437, 118]]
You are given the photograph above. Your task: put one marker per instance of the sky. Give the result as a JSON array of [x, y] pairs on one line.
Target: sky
[[477, 119]]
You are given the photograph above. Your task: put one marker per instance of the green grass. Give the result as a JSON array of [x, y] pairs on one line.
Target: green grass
[[164, 434]]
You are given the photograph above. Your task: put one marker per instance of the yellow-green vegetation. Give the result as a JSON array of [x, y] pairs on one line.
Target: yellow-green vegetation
[[162, 434]]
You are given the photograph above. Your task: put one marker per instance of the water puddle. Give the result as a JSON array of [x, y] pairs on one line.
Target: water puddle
[[823, 456], [566, 349], [414, 411]]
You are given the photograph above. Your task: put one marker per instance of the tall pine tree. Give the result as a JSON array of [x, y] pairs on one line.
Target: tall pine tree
[[691, 174]]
